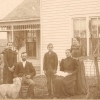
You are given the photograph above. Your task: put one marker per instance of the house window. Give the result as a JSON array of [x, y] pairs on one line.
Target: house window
[[94, 34], [79, 30], [31, 44]]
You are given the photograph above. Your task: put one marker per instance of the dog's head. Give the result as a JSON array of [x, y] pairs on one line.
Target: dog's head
[[17, 80]]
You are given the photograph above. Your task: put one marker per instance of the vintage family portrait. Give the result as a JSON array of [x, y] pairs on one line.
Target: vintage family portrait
[[49, 49]]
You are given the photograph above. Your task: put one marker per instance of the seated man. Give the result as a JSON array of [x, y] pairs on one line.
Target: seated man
[[26, 70], [64, 85]]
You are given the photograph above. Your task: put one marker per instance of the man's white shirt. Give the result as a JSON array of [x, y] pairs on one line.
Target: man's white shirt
[[24, 63]]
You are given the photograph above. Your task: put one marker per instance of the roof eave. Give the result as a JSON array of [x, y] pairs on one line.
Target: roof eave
[[18, 20]]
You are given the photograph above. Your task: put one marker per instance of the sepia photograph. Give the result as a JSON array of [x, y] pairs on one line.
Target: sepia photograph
[[49, 49]]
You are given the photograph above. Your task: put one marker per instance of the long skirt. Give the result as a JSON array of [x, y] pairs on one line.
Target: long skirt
[[64, 86], [7, 76], [81, 86]]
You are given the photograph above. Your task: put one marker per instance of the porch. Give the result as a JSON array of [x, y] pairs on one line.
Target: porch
[[30, 30]]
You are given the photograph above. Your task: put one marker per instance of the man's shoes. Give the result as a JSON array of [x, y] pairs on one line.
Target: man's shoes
[[48, 94], [55, 98], [29, 98]]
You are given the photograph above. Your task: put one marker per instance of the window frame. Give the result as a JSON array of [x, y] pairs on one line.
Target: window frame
[[87, 33], [79, 18], [88, 18], [33, 57], [27, 44], [98, 34]]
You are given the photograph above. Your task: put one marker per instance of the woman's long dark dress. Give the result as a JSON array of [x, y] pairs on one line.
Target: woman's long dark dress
[[64, 86], [77, 52]]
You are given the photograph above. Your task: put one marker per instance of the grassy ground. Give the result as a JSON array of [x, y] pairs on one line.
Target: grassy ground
[[41, 89]]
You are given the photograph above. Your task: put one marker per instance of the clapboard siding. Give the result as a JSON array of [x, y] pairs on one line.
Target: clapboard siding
[[56, 25], [81, 7]]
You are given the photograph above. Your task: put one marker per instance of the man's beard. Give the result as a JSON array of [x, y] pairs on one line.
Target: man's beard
[[23, 59]]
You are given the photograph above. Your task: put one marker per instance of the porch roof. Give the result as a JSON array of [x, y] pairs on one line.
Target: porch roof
[[28, 9]]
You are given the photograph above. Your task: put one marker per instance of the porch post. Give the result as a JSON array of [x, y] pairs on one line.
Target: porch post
[[41, 67], [12, 31], [88, 36]]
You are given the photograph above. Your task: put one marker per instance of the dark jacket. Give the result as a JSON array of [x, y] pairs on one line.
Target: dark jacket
[[20, 71], [69, 65], [50, 60], [10, 58], [78, 51]]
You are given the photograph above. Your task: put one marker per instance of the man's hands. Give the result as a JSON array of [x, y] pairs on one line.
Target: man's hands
[[28, 76], [11, 68], [69, 73]]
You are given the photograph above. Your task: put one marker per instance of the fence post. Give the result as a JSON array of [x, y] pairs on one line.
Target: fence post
[[97, 72]]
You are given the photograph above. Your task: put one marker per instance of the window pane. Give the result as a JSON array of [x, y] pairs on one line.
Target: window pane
[[31, 43], [84, 43], [34, 49], [94, 32], [79, 26], [9, 37], [99, 27], [94, 27], [83, 33], [76, 26], [30, 37], [82, 28], [31, 49], [93, 45], [29, 34]]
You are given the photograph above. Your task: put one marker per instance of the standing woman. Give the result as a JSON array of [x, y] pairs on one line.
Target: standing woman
[[10, 60], [78, 51]]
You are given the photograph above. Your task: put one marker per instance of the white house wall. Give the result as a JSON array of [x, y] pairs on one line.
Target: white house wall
[[56, 22], [55, 26]]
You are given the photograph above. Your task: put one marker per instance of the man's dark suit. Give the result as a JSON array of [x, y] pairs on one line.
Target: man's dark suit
[[50, 66], [21, 71]]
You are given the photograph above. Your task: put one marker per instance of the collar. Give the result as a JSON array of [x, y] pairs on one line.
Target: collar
[[68, 57], [23, 61], [50, 51]]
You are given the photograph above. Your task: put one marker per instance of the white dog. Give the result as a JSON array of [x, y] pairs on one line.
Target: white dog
[[11, 90]]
